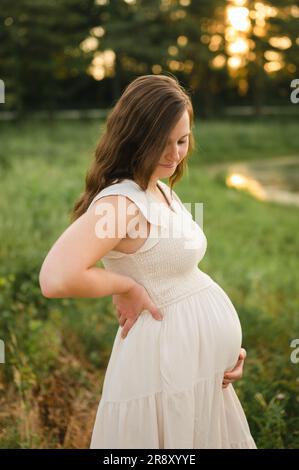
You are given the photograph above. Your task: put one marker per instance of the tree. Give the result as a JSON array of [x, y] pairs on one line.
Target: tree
[[41, 61]]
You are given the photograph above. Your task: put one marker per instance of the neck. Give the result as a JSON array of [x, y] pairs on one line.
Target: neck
[[152, 185]]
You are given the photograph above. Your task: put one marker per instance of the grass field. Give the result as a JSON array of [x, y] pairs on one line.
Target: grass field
[[57, 349]]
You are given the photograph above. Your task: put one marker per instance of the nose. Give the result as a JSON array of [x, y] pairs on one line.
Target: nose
[[173, 155]]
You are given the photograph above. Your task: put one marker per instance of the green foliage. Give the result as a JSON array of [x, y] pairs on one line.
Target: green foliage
[[30, 329], [41, 61]]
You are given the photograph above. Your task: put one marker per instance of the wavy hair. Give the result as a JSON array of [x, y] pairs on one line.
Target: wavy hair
[[135, 135]]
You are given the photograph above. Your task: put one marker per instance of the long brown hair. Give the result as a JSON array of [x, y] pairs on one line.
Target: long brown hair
[[137, 129]]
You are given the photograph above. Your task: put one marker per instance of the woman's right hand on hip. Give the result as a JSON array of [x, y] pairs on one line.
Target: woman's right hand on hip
[[130, 304]]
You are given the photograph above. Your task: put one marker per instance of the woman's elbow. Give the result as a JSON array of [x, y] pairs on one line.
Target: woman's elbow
[[50, 286], [48, 291]]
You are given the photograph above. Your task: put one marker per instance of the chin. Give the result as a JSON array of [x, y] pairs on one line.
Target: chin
[[172, 168]]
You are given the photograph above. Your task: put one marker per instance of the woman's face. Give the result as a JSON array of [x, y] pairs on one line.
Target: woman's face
[[176, 148]]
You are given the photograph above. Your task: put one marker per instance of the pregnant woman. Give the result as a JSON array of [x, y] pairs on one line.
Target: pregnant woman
[[168, 383]]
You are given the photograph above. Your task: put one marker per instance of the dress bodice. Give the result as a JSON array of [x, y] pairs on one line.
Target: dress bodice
[[167, 263]]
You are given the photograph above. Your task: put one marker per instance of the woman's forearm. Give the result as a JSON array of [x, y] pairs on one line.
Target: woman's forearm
[[93, 282]]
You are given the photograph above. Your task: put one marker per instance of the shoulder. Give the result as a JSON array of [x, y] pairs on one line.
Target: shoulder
[[115, 206], [134, 196], [126, 189], [120, 201]]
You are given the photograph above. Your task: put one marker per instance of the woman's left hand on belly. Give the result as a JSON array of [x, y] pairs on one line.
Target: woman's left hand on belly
[[237, 372]]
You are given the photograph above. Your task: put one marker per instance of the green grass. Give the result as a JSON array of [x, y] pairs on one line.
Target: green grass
[[60, 347], [234, 140]]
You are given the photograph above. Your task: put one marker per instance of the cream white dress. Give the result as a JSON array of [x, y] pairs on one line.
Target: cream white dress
[[163, 384]]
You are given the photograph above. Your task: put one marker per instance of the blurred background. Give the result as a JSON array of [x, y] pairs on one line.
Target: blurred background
[[63, 65]]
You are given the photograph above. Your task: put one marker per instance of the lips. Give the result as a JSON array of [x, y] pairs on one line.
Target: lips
[[167, 166]]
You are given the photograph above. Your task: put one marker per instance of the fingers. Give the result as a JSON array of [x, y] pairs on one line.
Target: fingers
[[121, 319], [127, 323], [225, 385], [233, 375], [238, 368], [126, 328], [226, 382], [230, 377], [236, 373], [156, 313], [243, 354]]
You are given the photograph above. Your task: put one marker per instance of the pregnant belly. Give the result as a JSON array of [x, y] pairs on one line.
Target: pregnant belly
[[225, 329], [200, 336]]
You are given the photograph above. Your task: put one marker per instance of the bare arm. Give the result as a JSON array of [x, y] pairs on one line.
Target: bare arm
[[68, 269]]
